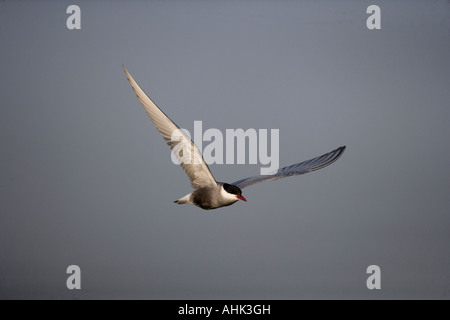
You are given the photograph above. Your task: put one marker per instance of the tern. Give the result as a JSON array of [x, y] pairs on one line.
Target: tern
[[209, 193]]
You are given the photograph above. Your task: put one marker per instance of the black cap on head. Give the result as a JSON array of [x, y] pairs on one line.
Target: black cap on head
[[232, 189]]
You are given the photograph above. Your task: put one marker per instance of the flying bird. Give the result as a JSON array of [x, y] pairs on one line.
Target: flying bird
[[208, 193]]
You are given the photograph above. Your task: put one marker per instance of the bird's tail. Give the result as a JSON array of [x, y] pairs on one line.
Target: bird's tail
[[185, 199]]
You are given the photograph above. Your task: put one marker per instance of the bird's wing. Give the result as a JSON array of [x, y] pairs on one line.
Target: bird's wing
[[186, 152], [295, 169]]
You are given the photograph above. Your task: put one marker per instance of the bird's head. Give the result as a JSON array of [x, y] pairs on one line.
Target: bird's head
[[234, 191]]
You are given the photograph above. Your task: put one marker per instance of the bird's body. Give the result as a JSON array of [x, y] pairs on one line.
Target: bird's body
[[207, 197], [208, 193]]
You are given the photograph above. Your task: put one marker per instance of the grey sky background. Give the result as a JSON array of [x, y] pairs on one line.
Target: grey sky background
[[86, 179]]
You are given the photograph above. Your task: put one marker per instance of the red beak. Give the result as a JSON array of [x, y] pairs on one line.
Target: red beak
[[241, 198]]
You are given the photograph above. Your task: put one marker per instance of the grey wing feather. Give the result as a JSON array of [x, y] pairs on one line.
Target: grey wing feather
[[196, 168], [295, 169]]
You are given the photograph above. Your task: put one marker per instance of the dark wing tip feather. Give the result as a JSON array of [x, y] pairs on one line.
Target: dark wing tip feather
[[328, 158]]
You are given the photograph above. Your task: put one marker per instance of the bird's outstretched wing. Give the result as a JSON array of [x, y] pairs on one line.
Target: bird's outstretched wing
[[186, 151], [295, 169]]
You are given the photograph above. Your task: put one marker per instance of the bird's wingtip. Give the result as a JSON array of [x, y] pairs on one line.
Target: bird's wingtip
[[341, 150]]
